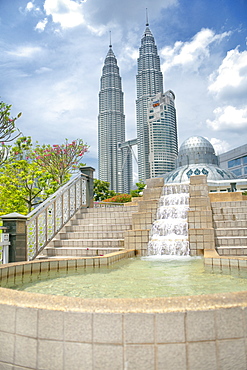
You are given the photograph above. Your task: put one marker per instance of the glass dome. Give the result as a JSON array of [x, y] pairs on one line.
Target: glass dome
[[196, 149], [197, 157]]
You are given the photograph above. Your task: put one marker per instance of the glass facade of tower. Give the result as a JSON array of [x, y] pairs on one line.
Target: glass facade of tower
[[149, 81], [162, 128], [113, 165]]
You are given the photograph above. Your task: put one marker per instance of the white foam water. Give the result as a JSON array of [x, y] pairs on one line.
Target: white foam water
[[169, 233]]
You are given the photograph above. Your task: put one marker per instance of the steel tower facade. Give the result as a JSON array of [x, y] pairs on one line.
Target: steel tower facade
[[162, 127], [114, 166], [149, 81]]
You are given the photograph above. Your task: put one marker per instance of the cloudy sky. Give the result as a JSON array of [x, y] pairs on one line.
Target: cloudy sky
[[52, 53]]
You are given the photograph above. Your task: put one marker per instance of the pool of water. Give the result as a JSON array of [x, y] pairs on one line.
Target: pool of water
[[147, 277]]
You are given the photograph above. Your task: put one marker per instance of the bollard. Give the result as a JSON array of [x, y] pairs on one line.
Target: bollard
[[89, 171], [16, 226]]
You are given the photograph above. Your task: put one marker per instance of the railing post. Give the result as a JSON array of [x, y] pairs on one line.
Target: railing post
[[89, 171], [16, 227]]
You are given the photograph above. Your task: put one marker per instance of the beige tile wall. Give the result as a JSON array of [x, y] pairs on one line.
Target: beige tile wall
[[207, 339]]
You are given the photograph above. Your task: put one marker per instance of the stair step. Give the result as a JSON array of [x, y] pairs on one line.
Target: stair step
[[103, 214], [97, 228], [230, 224], [103, 221], [224, 232], [233, 204], [231, 240], [92, 235], [87, 243], [232, 251], [78, 252], [230, 217]]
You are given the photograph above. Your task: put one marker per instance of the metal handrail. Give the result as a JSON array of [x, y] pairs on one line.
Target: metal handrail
[[44, 222]]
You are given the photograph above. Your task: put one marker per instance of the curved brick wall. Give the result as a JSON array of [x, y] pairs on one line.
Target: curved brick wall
[[62, 333]]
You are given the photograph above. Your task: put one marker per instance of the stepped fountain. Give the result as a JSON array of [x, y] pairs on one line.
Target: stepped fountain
[[169, 233]]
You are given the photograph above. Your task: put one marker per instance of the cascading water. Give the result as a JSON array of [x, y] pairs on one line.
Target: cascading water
[[169, 233]]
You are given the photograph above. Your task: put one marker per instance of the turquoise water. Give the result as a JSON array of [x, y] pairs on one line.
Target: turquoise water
[[147, 277]]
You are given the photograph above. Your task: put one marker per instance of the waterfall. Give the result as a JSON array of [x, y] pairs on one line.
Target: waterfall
[[169, 233]]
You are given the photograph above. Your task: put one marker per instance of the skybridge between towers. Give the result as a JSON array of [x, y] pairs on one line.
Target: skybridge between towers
[[127, 144]]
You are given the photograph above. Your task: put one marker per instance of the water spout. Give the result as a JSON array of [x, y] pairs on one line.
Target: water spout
[[169, 233]]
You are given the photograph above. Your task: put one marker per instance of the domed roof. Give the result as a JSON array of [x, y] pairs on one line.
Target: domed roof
[[195, 143], [183, 173], [196, 149], [197, 157]]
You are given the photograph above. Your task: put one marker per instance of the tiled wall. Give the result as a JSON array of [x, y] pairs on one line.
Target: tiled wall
[[200, 222], [142, 220], [156, 337], [22, 268], [227, 263]]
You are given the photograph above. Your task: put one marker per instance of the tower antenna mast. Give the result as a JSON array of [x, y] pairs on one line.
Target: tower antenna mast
[[110, 40], [147, 24]]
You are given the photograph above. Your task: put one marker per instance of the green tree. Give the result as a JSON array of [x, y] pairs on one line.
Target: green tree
[[61, 160], [8, 130], [102, 191], [140, 186], [32, 173], [23, 183]]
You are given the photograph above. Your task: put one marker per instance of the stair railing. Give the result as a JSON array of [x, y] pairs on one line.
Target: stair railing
[[44, 222]]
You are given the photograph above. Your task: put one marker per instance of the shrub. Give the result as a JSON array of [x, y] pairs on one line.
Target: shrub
[[120, 198]]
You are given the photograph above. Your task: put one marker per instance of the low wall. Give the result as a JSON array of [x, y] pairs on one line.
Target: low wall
[[226, 197], [40, 332]]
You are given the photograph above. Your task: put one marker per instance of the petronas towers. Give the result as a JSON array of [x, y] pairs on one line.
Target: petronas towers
[[115, 165], [154, 158]]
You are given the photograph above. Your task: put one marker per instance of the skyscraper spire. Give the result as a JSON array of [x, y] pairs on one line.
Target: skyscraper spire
[[110, 45], [147, 24]]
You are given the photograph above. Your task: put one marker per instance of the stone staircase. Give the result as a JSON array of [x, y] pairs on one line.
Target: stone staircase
[[230, 224], [92, 232]]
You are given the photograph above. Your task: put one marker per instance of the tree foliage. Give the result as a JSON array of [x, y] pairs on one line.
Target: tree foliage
[[60, 160], [8, 130], [102, 191], [137, 192], [27, 180], [119, 198], [23, 183]]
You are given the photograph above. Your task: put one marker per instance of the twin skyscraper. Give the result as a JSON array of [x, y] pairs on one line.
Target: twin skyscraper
[[156, 141]]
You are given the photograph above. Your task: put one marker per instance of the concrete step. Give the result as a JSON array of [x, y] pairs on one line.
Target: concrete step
[[97, 228], [224, 232], [102, 221], [236, 204], [231, 241], [87, 243], [228, 210], [230, 217], [91, 235], [77, 252], [237, 224], [111, 210], [103, 215], [232, 251]]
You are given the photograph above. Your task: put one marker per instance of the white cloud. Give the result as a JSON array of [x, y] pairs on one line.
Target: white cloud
[[231, 76], [99, 30], [229, 118], [25, 51], [67, 13], [43, 70], [220, 146], [191, 53], [41, 25], [29, 6]]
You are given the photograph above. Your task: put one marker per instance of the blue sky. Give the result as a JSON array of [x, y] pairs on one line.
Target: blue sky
[[52, 53]]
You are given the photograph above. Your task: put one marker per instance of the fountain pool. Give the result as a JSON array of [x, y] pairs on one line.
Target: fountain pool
[[147, 277]]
